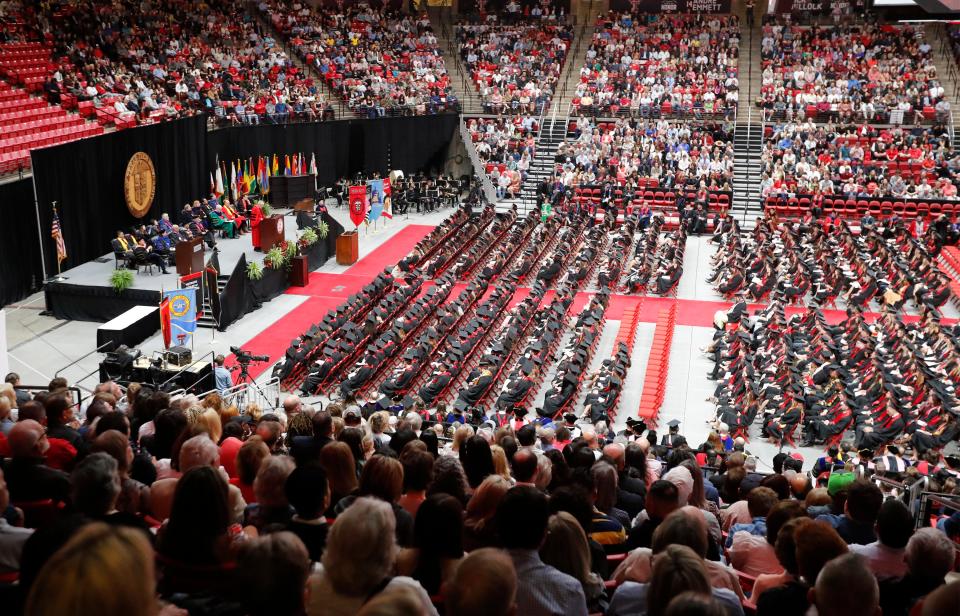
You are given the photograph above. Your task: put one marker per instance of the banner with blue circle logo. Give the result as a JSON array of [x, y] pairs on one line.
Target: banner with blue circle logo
[[183, 314]]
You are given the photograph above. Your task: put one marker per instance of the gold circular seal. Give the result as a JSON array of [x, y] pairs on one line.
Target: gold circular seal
[[139, 184]]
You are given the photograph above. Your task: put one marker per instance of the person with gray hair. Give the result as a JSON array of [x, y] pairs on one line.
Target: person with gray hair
[[359, 561], [930, 556], [548, 439], [415, 421], [95, 485]]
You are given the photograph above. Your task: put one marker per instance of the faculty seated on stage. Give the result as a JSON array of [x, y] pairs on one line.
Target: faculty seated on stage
[[134, 251], [233, 215], [218, 221]]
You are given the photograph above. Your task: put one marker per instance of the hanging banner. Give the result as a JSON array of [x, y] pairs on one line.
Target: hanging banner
[[358, 204], [182, 309], [387, 199], [375, 196]]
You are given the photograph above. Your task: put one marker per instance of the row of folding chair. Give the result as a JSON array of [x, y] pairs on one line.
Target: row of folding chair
[[655, 380]]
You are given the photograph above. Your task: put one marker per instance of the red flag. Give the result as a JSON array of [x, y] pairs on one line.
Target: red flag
[[358, 204], [165, 321]]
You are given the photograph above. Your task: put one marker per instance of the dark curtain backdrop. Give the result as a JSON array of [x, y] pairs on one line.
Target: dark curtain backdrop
[[345, 147], [20, 270], [85, 178]]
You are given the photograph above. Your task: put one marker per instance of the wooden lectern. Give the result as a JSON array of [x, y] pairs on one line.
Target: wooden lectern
[[347, 248], [271, 232], [189, 256]]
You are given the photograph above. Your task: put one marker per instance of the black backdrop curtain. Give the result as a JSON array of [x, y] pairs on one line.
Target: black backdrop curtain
[[345, 147], [85, 178], [20, 270]]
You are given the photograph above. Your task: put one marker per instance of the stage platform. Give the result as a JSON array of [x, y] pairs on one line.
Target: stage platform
[[84, 293]]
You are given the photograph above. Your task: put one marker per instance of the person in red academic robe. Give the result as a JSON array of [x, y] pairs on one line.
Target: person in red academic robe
[[231, 214], [256, 217]]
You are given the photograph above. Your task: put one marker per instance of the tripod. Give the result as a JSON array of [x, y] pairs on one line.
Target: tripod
[[245, 378]]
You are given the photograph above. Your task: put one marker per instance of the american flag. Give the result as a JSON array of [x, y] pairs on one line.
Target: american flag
[[57, 234]]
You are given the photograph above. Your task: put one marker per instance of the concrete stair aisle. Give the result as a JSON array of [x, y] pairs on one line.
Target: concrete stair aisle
[[341, 109], [553, 131], [747, 147], [749, 68], [948, 72], [570, 75], [461, 82]]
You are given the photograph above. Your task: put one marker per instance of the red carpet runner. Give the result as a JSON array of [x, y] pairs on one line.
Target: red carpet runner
[[328, 290]]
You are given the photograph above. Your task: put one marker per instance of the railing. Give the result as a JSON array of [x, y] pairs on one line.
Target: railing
[[266, 395], [489, 191]]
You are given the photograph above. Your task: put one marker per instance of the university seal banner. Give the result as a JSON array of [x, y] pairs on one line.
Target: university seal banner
[[358, 204], [139, 184]]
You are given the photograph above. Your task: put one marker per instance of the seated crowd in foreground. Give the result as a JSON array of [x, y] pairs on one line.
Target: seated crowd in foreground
[[377, 513], [655, 65]]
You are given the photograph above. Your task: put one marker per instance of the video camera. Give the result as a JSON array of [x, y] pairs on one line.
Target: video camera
[[245, 357]]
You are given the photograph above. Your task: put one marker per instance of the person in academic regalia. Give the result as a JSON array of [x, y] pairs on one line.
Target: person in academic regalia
[[672, 438], [256, 217]]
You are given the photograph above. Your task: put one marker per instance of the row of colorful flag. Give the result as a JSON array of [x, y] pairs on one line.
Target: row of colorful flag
[[252, 176]]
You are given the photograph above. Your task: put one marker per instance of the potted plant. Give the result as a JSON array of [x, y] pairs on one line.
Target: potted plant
[[276, 258], [309, 237], [254, 270], [266, 208], [121, 280], [290, 250], [323, 229]]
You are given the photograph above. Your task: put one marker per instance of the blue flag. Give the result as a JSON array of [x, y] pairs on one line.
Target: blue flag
[[183, 314], [375, 196]]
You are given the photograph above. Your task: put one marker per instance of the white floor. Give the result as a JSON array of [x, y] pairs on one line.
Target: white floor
[[41, 347]]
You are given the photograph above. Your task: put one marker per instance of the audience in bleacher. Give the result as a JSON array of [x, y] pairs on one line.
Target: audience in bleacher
[[515, 67], [858, 161], [863, 71], [505, 144], [381, 61], [661, 65]]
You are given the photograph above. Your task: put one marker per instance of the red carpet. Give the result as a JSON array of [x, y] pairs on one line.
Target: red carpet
[[327, 291], [323, 284], [391, 251], [274, 340]]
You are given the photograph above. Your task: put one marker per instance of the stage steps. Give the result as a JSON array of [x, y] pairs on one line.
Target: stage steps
[[207, 321]]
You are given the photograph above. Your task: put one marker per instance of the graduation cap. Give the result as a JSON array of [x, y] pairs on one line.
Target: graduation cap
[[460, 405], [537, 346], [383, 403], [571, 377], [590, 320], [410, 353], [408, 402], [527, 366], [673, 424]]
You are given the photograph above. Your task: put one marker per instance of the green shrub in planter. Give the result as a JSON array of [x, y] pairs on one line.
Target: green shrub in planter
[[254, 270], [121, 280], [323, 229], [290, 251], [275, 258], [309, 237]]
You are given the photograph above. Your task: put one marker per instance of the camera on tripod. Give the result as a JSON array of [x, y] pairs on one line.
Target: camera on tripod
[[245, 357]]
